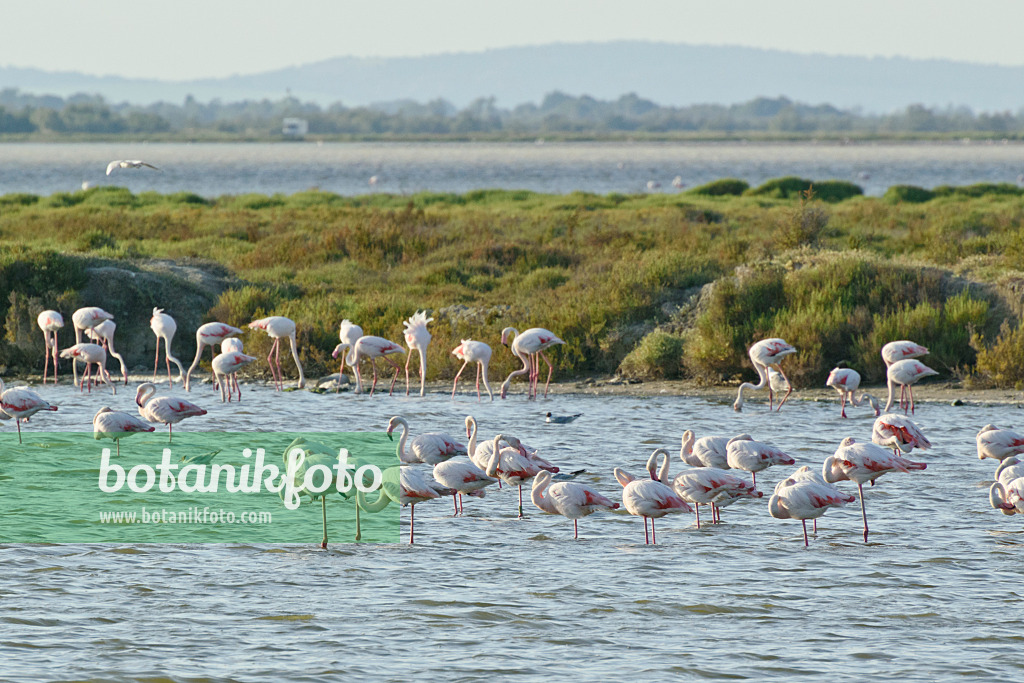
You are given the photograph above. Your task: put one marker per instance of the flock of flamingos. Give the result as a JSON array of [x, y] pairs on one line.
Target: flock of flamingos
[[804, 495]]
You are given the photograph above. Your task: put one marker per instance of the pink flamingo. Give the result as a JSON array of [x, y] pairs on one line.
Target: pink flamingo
[[85, 319], [567, 498], [707, 451], [650, 498], [901, 350], [49, 322], [429, 447], [765, 354], [805, 495], [478, 352], [209, 334], [349, 333], [417, 337], [164, 409], [463, 477], [899, 433], [905, 373], [999, 444], [529, 346], [754, 456], [861, 462], [89, 354], [846, 381], [705, 485], [778, 384], [115, 425], [21, 404], [373, 348], [225, 371], [1007, 492], [277, 326], [104, 334], [164, 327], [510, 465]]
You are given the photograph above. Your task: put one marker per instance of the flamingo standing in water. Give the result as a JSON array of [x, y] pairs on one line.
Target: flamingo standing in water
[[899, 433], [901, 350], [225, 371], [765, 354], [417, 337], [510, 465], [805, 495], [778, 384], [705, 485], [404, 485], [49, 322], [999, 444], [846, 381], [1007, 492], [85, 319], [373, 348], [529, 346], [650, 498], [707, 451], [164, 409], [209, 334], [277, 326], [90, 353], [164, 327], [115, 425], [754, 456], [349, 333], [104, 334], [905, 373], [567, 498], [21, 404], [478, 352], [430, 447], [463, 477], [861, 462]]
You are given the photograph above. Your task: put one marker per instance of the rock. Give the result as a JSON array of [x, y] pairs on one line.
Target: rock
[[957, 402]]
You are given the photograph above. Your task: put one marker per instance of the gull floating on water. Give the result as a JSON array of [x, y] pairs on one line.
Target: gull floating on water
[[561, 419], [128, 163]]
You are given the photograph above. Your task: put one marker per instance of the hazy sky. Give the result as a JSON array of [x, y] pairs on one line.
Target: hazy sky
[[186, 39]]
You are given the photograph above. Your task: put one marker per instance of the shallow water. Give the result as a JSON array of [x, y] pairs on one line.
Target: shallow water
[[213, 170], [933, 596]]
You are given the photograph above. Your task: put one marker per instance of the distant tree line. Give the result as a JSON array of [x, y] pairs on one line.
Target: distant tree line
[[557, 114]]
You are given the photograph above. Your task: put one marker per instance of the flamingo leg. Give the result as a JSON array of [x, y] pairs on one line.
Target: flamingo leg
[[341, 370], [771, 399], [170, 435], [575, 529], [647, 537], [398, 369], [457, 375], [654, 535], [412, 521], [910, 390], [551, 369], [46, 354], [55, 357], [455, 503], [156, 358], [785, 398], [804, 522], [167, 360], [277, 362], [478, 369], [697, 509], [815, 527], [842, 404], [863, 513], [234, 377], [373, 364], [461, 508], [520, 501], [323, 509], [359, 528], [270, 362], [753, 475], [74, 359], [17, 421], [408, 359]]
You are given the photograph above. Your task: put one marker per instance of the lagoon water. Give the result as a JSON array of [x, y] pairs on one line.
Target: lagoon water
[[935, 595], [213, 170]]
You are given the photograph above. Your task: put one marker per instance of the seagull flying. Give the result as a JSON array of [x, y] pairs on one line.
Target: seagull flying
[[128, 163]]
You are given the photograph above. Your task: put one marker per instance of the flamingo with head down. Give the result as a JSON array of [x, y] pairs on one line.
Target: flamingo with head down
[[568, 498], [90, 354], [767, 353], [348, 333], [49, 322], [999, 444], [509, 465], [529, 347], [225, 370], [899, 433], [373, 348], [429, 447], [277, 327], [846, 381], [210, 335], [462, 477], [104, 334], [470, 351], [85, 319], [417, 337], [164, 327], [650, 498], [805, 495], [707, 485]]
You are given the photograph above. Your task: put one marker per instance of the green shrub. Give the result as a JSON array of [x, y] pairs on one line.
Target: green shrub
[[1002, 363], [95, 240], [719, 188], [832, 191], [18, 199], [909, 194], [781, 188], [109, 196], [659, 355]]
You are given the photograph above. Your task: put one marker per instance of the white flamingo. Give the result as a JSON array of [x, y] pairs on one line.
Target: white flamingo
[[1007, 492], [429, 447], [373, 348], [115, 425], [349, 333], [805, 495], [902, 350], [846, 381], [164, 327], [568, 498], [104, 334], [905, 373], [225, 371], [470, 351], [999, 444], [529, 346], [210, 335], [164, 409], [417, 337], [85, 319], [90, 354], [21, 404], [463, 477], [49, 322], [899, 433], [754, 456], [509, 465], [650, 498], [277, 326], [705, 485], [765, 354]]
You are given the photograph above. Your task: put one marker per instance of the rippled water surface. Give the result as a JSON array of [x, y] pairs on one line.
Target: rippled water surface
[[218, 169], [935, 595]]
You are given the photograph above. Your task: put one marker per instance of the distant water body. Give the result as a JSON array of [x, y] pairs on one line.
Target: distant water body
[[213, 170]]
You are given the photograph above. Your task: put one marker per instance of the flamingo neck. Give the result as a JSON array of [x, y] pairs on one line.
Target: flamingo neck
[[492, 464], [298, 364], [400, 449], [889, 398], [471, 446]]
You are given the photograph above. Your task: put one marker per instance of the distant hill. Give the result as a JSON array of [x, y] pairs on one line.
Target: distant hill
[[669, 74]]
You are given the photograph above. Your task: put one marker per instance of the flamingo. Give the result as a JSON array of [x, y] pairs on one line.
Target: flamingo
[[901, 350], [999, 444], [49, 322], [567, 498], [21, 404], [85, 319], [104, 334], [778, 384], [861, 462], [231, 345], [115, 425], [763, 355], [277, 326], [805, 495], [754, 456], [349, 333], [704, 486], [846, 381], [225, 371], [1007, 492], [463, 477], [480, 453], [478, 352], [905, 373], [164, 327], [510, 465], [529, 346], [899, 433], [650, 498], [430, 447], [707, 451], [417, 338], [406, 486], [209, 334], [128, 163], [373, 348], [164, 409], [90, 353]]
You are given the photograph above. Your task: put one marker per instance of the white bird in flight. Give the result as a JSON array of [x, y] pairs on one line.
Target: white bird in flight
[[128, 163]]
